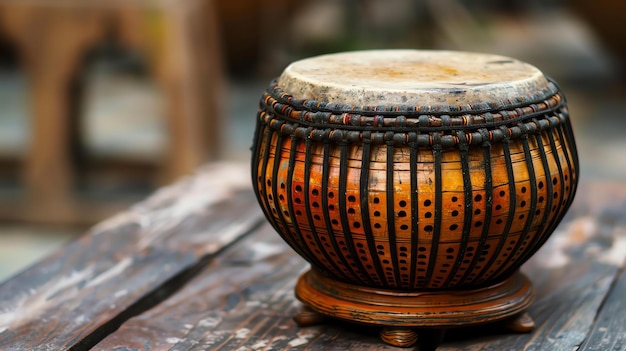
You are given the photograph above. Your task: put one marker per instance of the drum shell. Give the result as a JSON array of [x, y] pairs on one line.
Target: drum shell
[[396, 214]]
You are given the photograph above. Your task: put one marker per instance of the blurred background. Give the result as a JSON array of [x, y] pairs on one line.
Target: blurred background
[[102, 102]]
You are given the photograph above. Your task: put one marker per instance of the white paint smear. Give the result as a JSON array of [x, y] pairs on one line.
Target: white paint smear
[[40, 299], [112, 272], [242, 333], [167, 208], [259, 345], [615, 256], [208, 322], [262, 250], [121, 293], [173, 340], [302, 339], [576, 232]]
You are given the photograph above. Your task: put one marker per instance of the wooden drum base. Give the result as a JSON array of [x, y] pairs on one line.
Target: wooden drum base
[[399, 313]]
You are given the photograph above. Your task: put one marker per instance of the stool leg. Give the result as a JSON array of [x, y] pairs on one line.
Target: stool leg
[[190, 72], [52, 42]]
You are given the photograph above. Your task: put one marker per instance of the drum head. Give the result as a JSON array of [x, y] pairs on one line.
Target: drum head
[[410, 77]]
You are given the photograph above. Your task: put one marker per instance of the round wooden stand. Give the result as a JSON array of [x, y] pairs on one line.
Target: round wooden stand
[[399, 313]]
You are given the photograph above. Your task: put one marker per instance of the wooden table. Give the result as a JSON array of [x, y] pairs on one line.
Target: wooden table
[[196, 267]]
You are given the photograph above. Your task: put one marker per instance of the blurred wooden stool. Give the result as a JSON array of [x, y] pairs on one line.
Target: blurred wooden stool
[[179, 40]]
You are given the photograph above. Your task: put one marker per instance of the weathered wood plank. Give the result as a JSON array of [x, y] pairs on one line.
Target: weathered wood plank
[[126, 264], [207, 311], [244, 300], [609, 328]]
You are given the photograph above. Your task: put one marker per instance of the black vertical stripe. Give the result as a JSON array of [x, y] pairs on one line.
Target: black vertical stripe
[[307, 206], [391, 226], [437, 149], [544, 231], [413, 150], [569, 134], [285, 228], [254, 159], [512, 201], [571, 146], [560, 204], [292, 216], [266, 156], [329, 228], [533, 200], [365, 214], [548, 209], [343, 190], [488, 185], [541, 232], [463, 147], [568, 144]]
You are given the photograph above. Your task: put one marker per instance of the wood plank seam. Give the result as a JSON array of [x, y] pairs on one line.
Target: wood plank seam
[[602, 335], [155, 297]]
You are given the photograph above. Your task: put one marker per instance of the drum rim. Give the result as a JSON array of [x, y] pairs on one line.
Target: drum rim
[[424, 125]]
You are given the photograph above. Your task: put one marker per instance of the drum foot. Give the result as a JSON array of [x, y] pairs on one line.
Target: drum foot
[[522, 323], [424, 339], [399, 337], [307, 317]]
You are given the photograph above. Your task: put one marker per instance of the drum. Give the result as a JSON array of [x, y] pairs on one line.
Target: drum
[[415, 183]]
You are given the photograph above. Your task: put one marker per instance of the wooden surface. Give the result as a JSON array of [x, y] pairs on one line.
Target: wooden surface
[[196, 267]]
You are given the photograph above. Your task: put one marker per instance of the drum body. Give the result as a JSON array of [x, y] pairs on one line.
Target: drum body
[[408, 197]]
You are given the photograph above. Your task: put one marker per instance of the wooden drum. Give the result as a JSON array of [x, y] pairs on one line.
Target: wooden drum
[[416, 183]]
